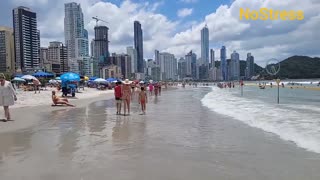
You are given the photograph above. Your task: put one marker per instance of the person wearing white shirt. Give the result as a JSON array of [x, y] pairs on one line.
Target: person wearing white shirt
[[7, 96]]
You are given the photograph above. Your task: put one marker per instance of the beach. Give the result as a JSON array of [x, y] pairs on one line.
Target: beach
[[29, 108], [178, 138]]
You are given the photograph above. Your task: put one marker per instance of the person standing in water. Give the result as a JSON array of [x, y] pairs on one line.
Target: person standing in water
[[7, 96], [143, 100], [151, 88], [118, 96], [126, 96], [159, 88]]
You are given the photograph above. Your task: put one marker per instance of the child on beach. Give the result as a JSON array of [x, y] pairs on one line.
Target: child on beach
[[143, 99]]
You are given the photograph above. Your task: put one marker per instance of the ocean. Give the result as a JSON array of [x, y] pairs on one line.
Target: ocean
[[295, 119]]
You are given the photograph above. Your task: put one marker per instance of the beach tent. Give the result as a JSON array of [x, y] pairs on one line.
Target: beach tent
[[28, 77], [69, 76], [42, 74], [17, 79]]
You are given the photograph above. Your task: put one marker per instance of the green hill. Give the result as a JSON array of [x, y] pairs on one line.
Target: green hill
[[300, 67]]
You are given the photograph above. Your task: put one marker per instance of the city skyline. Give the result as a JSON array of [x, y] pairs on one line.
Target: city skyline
[[178, 34]]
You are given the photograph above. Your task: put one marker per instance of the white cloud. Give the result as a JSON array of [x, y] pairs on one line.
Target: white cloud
[[184, 12]]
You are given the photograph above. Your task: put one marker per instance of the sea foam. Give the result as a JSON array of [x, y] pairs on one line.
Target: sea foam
[[290, 124]]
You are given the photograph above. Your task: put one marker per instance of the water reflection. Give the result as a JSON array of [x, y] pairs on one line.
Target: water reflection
[[14, 143]]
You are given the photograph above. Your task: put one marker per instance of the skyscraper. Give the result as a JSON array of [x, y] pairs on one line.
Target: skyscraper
[[204, 45], [138, 45], [191, 60], [57, 57], [223, 67], [250, 66], [235, 66], [101, 44], [157, 57], [26, 40], [6, 50], [168, 66], [212, 59], [134, 59], [76, 39]]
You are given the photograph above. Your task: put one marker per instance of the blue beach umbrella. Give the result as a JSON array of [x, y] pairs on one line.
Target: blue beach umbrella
[[42, 74], [93, 78], [111, 79], [69, 76]]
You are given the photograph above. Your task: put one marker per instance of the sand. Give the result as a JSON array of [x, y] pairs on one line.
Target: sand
[[177, 139], [29, 107]]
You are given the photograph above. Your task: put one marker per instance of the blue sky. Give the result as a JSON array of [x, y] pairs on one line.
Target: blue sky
[[166, 31]]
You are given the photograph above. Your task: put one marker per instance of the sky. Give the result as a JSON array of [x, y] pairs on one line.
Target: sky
[[174, 25]]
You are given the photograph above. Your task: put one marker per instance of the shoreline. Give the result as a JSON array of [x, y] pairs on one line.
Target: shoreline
[[22, 118]]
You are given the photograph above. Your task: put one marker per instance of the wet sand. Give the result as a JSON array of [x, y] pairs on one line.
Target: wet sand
[[177, 139]]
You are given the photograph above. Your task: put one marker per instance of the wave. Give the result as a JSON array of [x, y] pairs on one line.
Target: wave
[[291, 124]]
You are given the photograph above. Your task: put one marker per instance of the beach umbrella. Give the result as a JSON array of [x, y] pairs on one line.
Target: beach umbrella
[[69, 76], [111, 79], [57, 78], [100, 80], [93, 78], [18, 75], [28, 77], [17, 79], [141, 82], [86, 78], [42, 74], [52, 81]]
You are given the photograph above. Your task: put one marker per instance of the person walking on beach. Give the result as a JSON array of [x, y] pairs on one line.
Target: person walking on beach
[[159, 88], [118, 96], [36, 85], [151, 88], [126, 96], [7, 96], [143, 100]]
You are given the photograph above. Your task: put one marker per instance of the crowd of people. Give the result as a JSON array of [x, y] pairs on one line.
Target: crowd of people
[[126, 91]]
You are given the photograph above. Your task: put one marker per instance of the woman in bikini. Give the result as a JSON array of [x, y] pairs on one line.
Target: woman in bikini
[[126, 96], [58, 100]]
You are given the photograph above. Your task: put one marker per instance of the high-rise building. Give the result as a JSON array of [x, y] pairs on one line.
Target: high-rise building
[[101, 44], [182, 68], [57, 57], [26, 39], [168, 66], [235, 66], [134, 59], [7, 64], [44, 59], [204, 45], [138, 45], [157, 57], [191, 60], [223, 66], [212, 59], [250, 66], [76, 39], [124, 62]]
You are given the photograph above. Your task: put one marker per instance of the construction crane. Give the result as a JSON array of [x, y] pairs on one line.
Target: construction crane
[[97, 20]]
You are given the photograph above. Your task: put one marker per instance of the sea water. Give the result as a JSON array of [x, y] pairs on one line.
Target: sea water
[[296, 118]]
